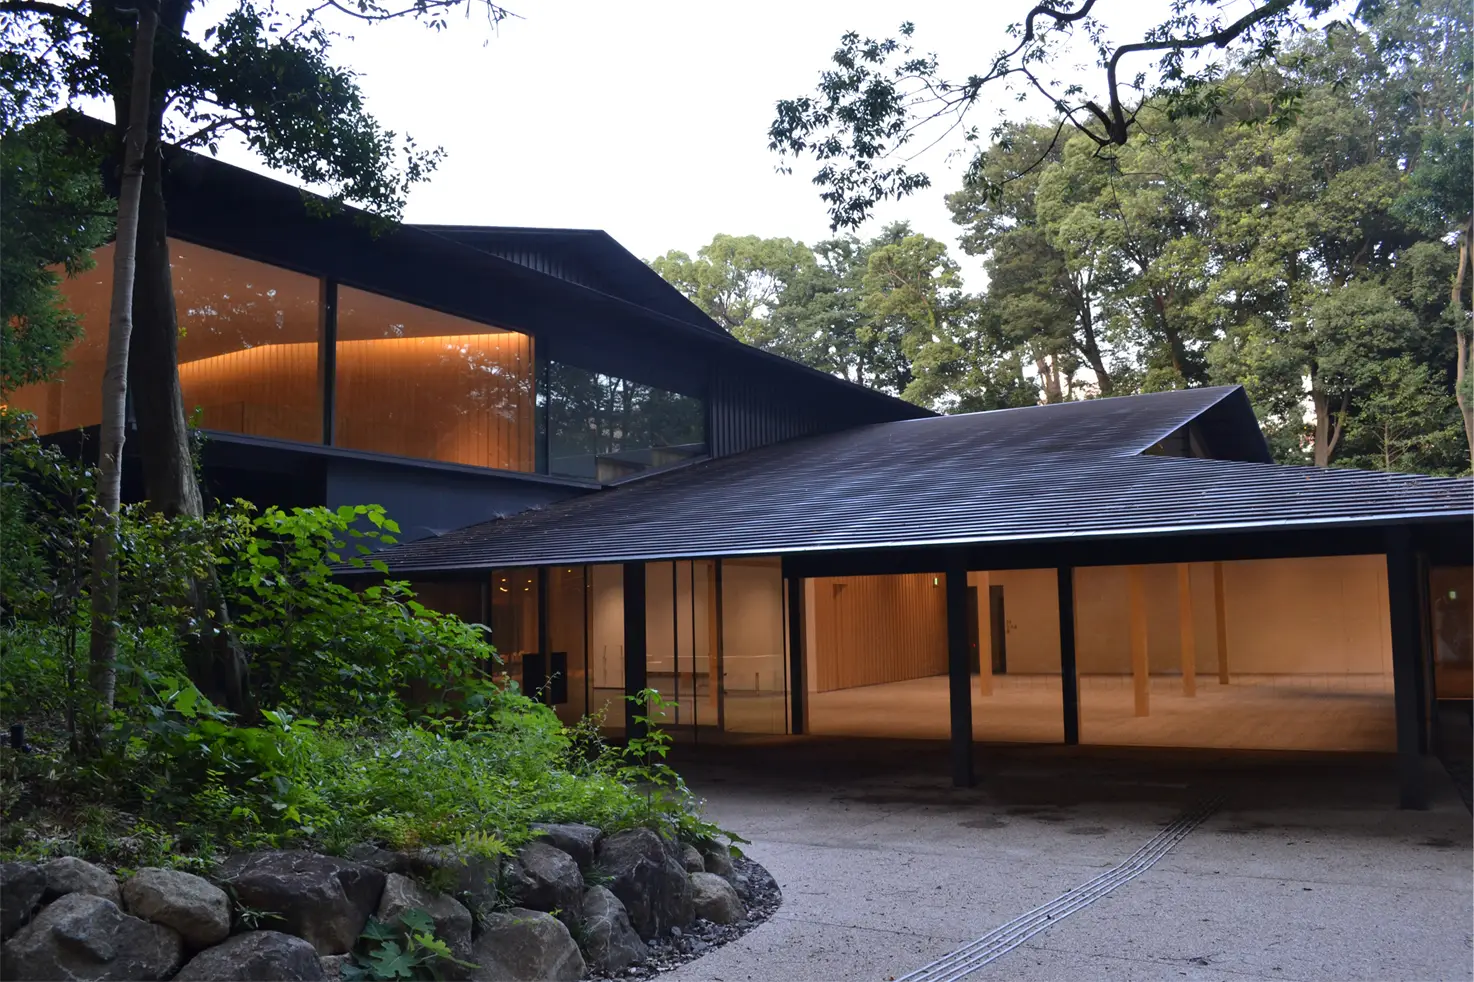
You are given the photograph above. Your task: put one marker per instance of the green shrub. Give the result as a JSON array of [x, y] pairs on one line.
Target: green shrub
[[379, 718]]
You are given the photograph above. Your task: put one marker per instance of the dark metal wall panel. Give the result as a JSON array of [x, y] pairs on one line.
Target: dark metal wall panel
[[426, 506], [746, 412], [544, 262]]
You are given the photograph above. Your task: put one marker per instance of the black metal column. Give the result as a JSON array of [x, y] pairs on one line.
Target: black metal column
[[796, 680], [634, 645], [1402, 599], [327, 355], [542, 633], [959, 672], [1069, 676]]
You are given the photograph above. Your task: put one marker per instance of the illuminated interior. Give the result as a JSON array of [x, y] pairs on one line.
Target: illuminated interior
[[410, 381], [419, 383], [247, 347]]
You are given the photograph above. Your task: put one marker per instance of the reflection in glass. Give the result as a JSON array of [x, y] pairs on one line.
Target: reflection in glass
[[514, 617], [568, 636], [754, 633], [606, 644], [248, 352], [605, 428], [419, 383]]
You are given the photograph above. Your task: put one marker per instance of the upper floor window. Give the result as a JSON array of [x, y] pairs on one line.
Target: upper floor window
[[248, 347], [419, 383], [605, 428]]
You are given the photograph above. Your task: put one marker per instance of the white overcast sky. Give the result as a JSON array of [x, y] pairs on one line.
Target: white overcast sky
[[649, 119]]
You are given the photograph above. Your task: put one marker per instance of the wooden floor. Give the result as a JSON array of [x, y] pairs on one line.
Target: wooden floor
[[1285, 712]]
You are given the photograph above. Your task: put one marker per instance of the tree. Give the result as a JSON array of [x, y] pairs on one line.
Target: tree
[[259, 73], [880, 94], [890, 312], [54, 215], [103, 643]]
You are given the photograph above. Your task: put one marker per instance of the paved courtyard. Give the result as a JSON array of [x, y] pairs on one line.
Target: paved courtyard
[[1306, 871]]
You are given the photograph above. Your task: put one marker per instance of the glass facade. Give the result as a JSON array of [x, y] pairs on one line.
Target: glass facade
[[409, 381], [248, 347], [604, 428], [415, 382]]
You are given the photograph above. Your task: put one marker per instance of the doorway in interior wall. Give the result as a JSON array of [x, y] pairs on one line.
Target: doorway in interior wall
[[1000, 630]]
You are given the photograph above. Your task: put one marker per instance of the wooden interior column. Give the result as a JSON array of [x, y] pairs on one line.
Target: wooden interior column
[[1069, 675], [797, 686], [959, 671], [985, 633], [634, 645], [1188, 638], [1140, 665], [713, 640], [1220, 623], [1404, 618]]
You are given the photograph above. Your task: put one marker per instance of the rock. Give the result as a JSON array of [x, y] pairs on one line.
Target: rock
[[718, 860], [542, 877], [609, 940], [253, 956], [452, 919], [321, 899], [470, 877], [332, 966], [191, 905], [691, 859], [68, 874], [651, 884], [753, 881], [381, 859], [86, 937], [714, 899], [21, 887], [579, 841], [520, 944]]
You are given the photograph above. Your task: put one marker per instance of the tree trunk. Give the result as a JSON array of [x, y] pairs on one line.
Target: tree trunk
[[213, 659], [1090, 348], [103, 643], [1461, 337], [1327, 423], [1176, 350], [158, 401]]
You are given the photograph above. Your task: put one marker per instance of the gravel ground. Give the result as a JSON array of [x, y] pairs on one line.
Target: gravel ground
[[687, 945]]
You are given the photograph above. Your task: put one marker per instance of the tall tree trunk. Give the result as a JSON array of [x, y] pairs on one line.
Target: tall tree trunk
[[103, 643], [158, 401], [214, 660], [1090, 348], [1461, 337], [1175, 347], [1328, 422]]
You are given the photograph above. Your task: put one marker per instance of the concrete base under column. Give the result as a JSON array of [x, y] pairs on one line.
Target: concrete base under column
[[1281, 712]]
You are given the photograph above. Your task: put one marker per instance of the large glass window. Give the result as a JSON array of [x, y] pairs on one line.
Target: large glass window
[[419, 383], [248, 353], [605, 428], [514, 619]]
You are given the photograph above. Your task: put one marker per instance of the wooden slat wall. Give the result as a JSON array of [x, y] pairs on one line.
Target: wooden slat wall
[[467, 399], [266, 391], [874, 629]]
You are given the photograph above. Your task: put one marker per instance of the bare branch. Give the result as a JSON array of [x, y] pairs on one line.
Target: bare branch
[[44, 9]]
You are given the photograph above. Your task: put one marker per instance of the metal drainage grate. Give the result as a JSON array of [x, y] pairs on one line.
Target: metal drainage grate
[[971, 957]]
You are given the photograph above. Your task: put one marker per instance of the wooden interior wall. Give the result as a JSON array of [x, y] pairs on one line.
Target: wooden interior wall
[[466, 399], [267, 391], [874, 629]]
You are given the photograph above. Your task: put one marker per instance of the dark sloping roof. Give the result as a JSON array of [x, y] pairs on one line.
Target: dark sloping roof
[[1046, 472], [588, 257]]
